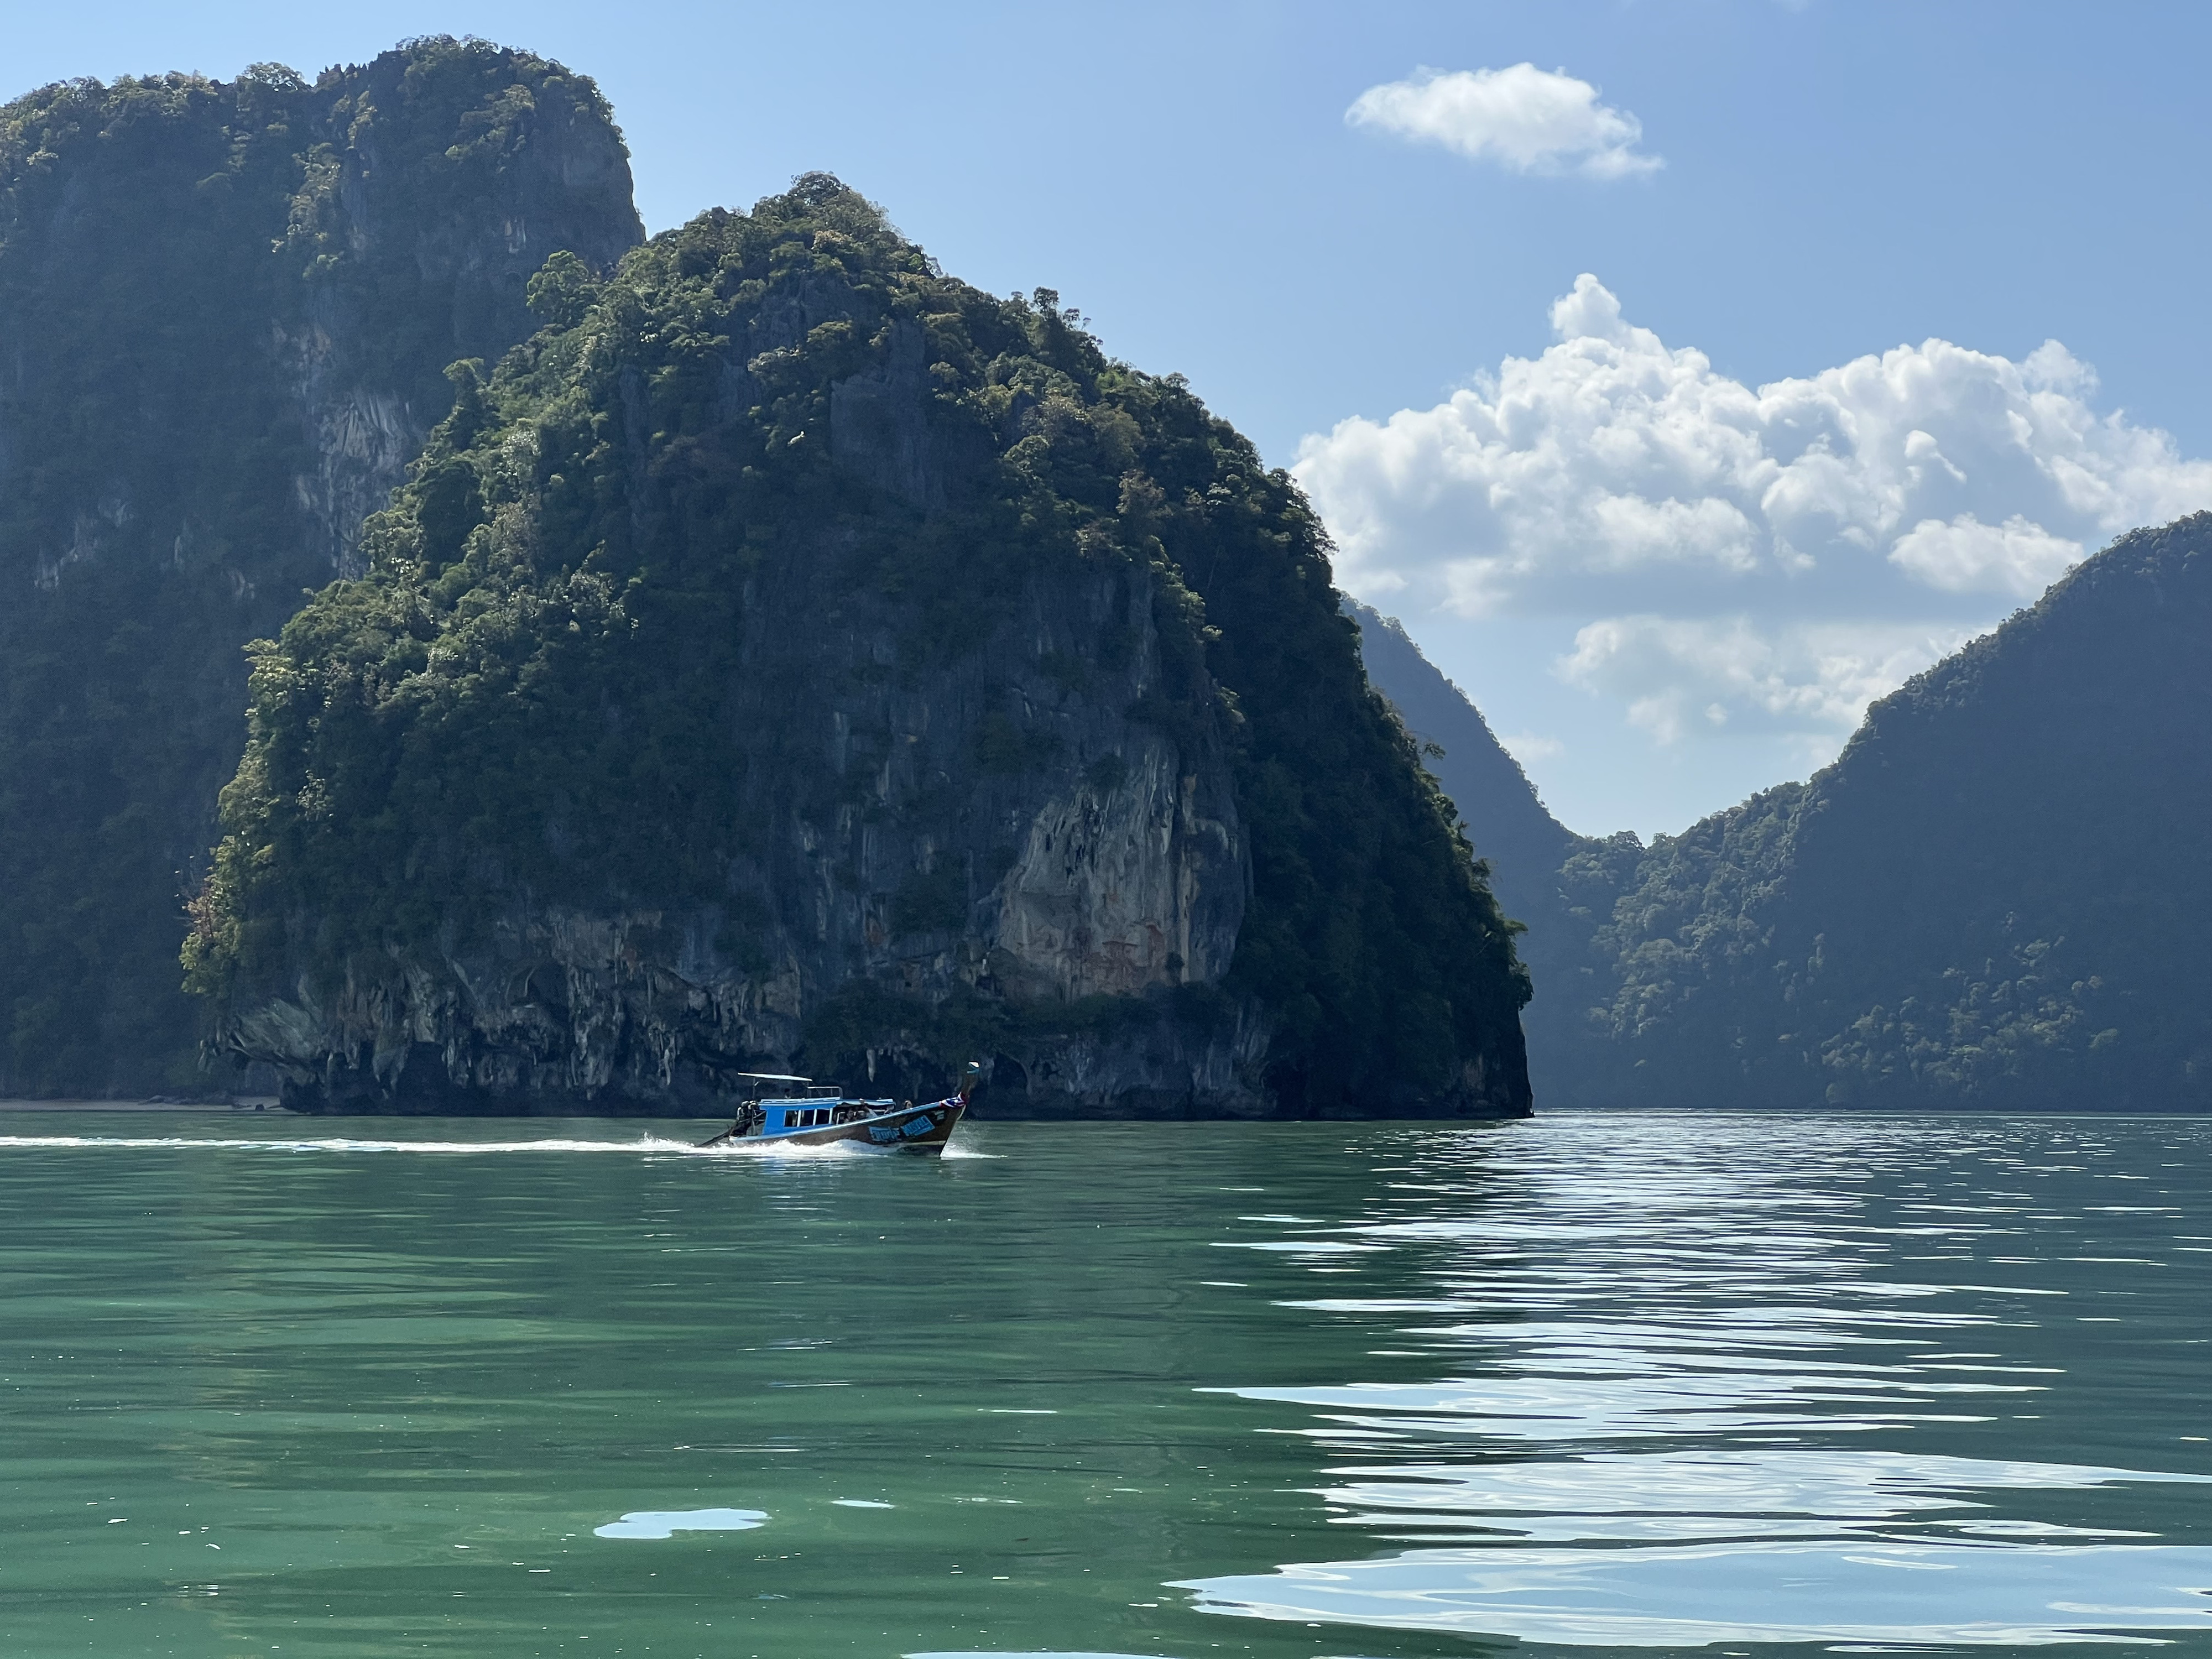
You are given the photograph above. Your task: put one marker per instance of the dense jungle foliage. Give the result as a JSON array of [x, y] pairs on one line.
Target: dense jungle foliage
[[225, 312], [531, 690]]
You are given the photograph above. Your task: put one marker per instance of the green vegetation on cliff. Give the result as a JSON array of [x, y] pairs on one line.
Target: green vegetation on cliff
[[225, 313], [776, 460]]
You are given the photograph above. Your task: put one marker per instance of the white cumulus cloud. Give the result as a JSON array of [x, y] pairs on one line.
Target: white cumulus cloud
[[1967, 556], [1778, 556], [1529, 119], [1672, 675]]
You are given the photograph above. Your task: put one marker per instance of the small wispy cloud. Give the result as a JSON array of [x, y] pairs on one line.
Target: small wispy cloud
[[1529, 119]]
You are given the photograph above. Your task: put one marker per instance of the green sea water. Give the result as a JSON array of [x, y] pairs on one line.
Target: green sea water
[[1630, 1383]]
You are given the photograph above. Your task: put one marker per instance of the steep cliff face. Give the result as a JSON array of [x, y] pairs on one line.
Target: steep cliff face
[[225, 313], [444, 175], [796, 657], [891, 852]]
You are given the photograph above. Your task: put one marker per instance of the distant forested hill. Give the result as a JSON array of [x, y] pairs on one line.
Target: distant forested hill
[[1999, 895], [226, 310], [1522, 843]]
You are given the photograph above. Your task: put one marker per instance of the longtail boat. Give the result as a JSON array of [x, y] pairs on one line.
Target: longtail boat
[[822, 1114]]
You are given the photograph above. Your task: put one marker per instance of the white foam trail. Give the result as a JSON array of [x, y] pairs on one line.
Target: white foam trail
[[652, 1146]]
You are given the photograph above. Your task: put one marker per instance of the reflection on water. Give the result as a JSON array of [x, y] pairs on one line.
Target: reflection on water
[[1642, 1381], [666, 1523], [1778, 1547], [1694, 1596], [1662, 1370]]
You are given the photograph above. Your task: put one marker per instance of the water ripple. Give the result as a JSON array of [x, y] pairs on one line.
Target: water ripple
[[1973, 1594], [1678, 1393]]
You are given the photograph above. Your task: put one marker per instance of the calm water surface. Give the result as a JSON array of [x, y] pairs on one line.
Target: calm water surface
[[1631, 1383]]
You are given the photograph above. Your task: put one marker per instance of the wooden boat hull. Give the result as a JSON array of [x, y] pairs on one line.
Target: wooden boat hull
[[919, 1129]]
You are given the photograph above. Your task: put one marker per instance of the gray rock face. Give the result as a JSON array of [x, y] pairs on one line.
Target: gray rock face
[[996, 832], [363, 441], [877, 428], [1122, 888], [369, 383]]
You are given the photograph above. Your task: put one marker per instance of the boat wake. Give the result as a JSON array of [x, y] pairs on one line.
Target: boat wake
[[649, 1145]]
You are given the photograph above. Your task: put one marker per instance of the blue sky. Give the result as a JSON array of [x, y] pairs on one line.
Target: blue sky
[[1833, 180]]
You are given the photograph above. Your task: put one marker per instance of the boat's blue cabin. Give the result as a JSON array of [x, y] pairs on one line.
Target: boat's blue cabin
[[787, 1116]]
